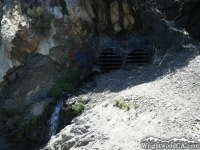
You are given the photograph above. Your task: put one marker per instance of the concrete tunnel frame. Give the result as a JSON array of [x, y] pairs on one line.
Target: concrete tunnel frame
[[109, 59], [138, 57]]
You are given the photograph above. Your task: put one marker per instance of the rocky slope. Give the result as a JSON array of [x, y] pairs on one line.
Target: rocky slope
[[167, 97]]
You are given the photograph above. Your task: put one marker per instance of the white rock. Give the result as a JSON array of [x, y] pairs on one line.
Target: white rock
[[57, 12]]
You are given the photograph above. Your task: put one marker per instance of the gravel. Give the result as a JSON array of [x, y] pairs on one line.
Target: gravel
[[167, 96]]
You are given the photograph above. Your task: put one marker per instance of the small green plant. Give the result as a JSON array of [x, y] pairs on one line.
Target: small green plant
[[46, 107], [126, 106], [41, 18], [27, 127], [35, 118], [20, 137], [84, 73], [61, 86], [122, 104], [55, 92], [80, 98], [135, 106], [117, 102], [5, 113], [77, 108], [67, 83]]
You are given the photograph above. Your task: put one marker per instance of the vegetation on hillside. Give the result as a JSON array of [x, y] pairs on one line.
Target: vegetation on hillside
[[68, 83], [41, 18]]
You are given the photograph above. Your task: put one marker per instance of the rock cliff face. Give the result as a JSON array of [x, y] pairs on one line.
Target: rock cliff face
[[71, 31], [30, 63]]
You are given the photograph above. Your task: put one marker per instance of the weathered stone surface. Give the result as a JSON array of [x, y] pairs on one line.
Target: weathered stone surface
[[23, 92], [11, 18], [18, 40], [31, 78], [192, 9], [128, 18], [160, 32], [59, 54], [24, 97]]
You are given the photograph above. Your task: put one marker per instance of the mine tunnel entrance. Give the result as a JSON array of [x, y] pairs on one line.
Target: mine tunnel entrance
[[138, 57], [109, 60]]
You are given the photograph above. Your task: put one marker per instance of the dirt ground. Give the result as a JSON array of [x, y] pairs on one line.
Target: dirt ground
[[167, 97]]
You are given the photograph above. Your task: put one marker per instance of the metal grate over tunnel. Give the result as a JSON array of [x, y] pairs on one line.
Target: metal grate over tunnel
[[138, 57], [109, 60]]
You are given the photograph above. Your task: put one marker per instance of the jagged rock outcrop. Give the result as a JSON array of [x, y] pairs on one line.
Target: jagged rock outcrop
[[24, 98], [11, 18], [70, 31], [162, 33]]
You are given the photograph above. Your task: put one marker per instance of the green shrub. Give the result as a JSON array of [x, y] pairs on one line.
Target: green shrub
[[59, 87], [77, 108], [80, 98], [117, 102], [71, 77], [5, 113], [122, 104], [19, 137], [41, 18], [67, 83], [85, 73], [126, 106], [35, 117], [135, 106], [55, 92], [24, 131], [37, 12]]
